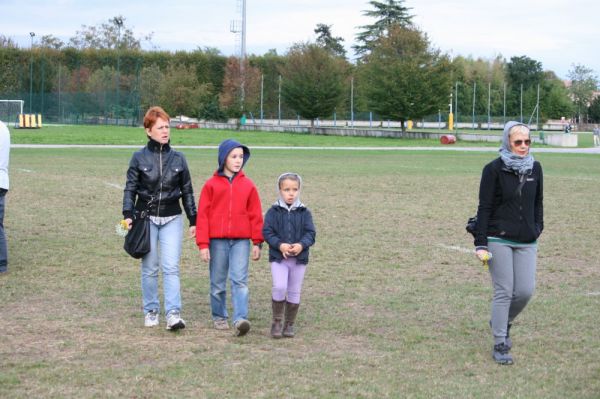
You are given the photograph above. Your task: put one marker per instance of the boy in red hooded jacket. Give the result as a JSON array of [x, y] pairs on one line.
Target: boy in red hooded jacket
[[229, 216]]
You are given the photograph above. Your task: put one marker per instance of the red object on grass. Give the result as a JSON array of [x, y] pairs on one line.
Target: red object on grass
[[448, 139]]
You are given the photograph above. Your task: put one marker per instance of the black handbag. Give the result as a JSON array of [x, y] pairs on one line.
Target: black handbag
[[471, 226], [137, 240]]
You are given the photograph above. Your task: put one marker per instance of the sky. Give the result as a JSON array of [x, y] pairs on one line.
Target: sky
[[557, 33]]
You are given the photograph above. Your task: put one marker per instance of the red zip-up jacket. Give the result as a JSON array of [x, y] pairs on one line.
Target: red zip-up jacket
[[229, 210]]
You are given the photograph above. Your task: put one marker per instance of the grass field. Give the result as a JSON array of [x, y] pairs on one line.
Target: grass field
[[393, 305], [82, 134]]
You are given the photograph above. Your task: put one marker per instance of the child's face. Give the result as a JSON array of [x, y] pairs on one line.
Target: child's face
[[234, 161], [289, 190]]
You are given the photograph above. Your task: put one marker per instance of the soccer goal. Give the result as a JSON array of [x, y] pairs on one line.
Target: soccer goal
[[10, 110]]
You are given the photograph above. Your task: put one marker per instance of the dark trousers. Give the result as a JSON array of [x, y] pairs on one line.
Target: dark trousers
[[3, 249]]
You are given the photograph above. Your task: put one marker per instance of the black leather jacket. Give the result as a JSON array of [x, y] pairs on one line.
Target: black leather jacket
[[159, 174]]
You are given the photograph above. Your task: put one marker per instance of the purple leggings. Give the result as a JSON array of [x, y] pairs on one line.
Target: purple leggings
[[287, 277]]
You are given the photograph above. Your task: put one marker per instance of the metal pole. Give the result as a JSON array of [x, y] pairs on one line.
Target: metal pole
[[32, 34], [474, 90], [504, 106], [262, 86], [352, 101], [521, 103], [489, 101], [279, 106], [59, 90], [537, 116], [243, 56], [119, 22], [456, 101]]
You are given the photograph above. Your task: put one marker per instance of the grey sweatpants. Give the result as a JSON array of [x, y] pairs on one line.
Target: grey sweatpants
[[512, 268]]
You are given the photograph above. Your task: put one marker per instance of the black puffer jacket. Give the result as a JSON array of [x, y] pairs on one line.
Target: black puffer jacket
[[504, 212], [159, 173]]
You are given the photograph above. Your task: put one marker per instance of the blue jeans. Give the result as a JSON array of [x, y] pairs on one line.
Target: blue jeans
[[229, 258], [3, 249], [165, 251]]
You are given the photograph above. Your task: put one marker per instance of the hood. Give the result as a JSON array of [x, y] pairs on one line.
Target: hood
[[505, 139], [225, 148], [280, 201]]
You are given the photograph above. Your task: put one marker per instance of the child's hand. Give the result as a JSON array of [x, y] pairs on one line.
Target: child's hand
[[285, 250], [205, 255], [296, 249], [255, 252]]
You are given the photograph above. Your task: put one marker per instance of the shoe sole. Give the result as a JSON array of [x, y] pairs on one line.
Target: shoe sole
[[177, 326], [242, 328]]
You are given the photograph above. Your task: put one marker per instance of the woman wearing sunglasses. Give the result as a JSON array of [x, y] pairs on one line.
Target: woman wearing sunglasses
[[510, 218]]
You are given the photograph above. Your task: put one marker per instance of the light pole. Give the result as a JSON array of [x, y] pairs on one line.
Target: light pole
[[32, 34], [119, 22]]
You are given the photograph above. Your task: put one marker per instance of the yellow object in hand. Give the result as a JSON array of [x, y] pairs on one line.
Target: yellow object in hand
[[486, 259]]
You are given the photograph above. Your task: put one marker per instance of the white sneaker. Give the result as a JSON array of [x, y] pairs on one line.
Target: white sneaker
[[151, 319], [174, 321]]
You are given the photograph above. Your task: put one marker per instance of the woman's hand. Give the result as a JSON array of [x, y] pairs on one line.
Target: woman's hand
[[482, 255], [192, 231], [255, 252], [128, 221], [205, 255]]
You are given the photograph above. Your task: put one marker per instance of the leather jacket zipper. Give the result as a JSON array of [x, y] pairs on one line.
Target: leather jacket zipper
[[161, 180]]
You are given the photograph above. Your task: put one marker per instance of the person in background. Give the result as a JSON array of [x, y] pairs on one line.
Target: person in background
[[159, 176], [290, 231], [510, 219], [4, 157], [229, 222], [596, 136]]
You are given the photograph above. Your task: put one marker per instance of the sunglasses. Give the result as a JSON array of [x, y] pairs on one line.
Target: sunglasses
[[520, 142]]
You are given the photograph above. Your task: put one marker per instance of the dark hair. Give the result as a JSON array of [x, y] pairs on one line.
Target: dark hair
[[152, 116]]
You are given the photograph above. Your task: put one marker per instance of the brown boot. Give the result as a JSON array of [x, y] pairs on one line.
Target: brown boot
[[291, 310], [277, 326]]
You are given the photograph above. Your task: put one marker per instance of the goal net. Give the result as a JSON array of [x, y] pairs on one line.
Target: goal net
[[10, 110]]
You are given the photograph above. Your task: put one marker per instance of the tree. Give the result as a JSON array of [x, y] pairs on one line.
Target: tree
[[524, 71], [594, 110], [230, 95], [388, 14], [312, 80], [52, 42], [326, 40], [403, 78], [583, 85], [7, 42], [111, 35], [180, 93]]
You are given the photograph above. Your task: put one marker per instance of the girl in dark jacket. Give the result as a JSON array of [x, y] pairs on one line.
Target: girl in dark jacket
[[510, 218], [159, 176], [289, 231]]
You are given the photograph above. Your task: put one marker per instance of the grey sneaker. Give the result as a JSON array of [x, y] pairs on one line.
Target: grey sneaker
[[242, 326], [151, 319], [501, 355], [174, 321], [221, 324]]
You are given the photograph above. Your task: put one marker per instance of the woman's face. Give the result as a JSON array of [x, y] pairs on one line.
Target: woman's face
[[519, 143], [160, 131]]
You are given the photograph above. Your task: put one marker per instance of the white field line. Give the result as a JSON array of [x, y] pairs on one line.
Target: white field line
[[25, 170], [457, 248], [120, 187], [593, 293], [595, 150]]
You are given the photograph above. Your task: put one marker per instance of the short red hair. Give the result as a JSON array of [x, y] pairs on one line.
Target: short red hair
[[152, 116]]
